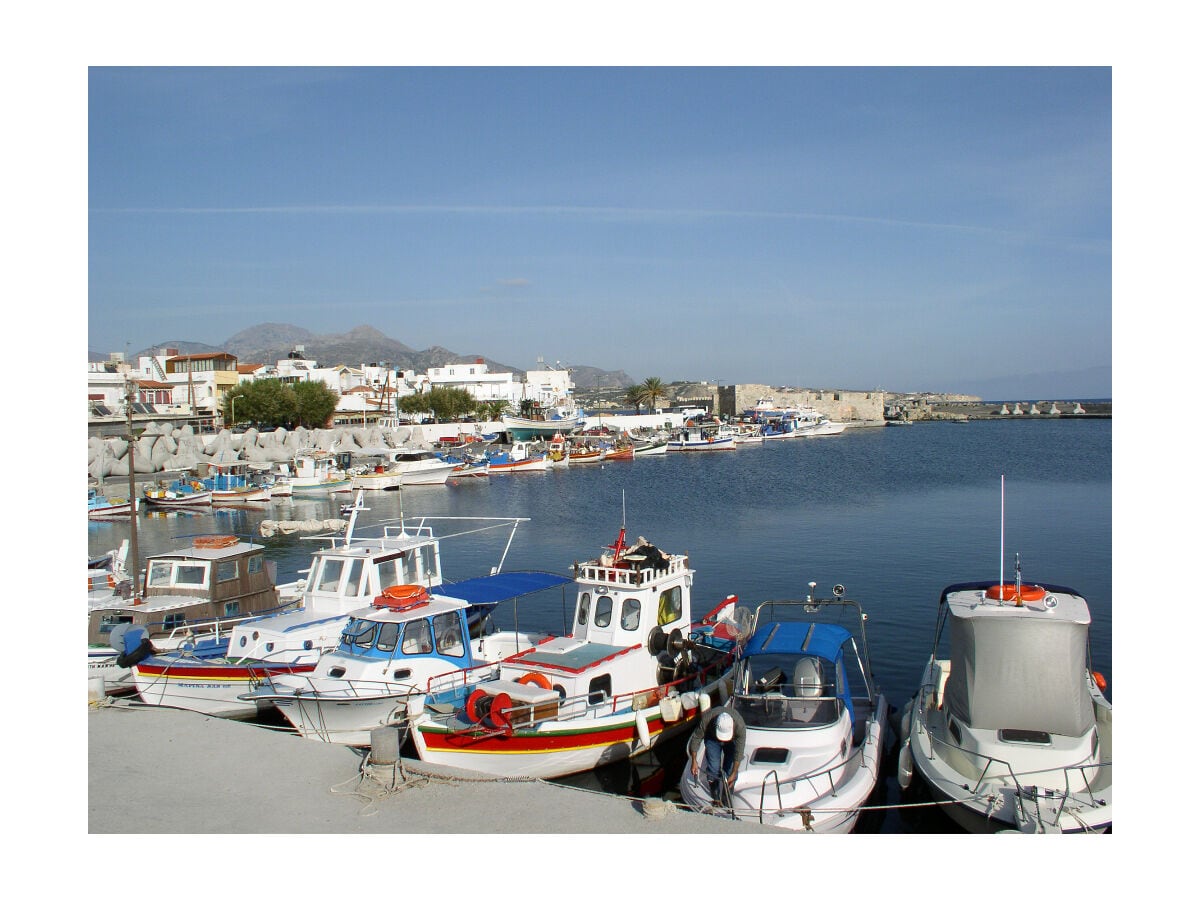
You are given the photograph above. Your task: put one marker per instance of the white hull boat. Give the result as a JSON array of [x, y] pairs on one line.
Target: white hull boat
[[815, 722], [611, 690], [1010, 729]]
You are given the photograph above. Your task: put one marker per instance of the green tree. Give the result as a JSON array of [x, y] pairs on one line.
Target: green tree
[[491, 410], [653, 390], [636, 396], [315, 403], [267, 401], [446, 404]]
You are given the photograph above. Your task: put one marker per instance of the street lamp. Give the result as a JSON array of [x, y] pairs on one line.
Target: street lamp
[[233, 409]]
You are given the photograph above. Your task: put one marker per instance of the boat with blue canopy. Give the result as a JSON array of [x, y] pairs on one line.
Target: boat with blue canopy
[[815, 720]]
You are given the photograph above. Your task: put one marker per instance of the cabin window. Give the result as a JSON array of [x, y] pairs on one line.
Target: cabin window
[[227, 570], [388, 633], [599, 690], [392, 571], [585, 606], [191, 575], [174, 620], [331, 575], [355, 585], [670, 605], [254, 564], [108, 623], [417, 637], [358, 633], [159, 575], [233, 607], [447, 634], [631, 614], [604, 607]]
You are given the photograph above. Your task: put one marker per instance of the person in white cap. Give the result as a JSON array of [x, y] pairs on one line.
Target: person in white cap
[[722, 733]]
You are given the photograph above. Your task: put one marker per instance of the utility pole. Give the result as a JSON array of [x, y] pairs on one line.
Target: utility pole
[[135, 567]]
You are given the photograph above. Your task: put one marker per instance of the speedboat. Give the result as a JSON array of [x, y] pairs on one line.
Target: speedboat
[[188, 594], [1010, 729], [815, 720], [636, 670], [390, 650], [211, 675]]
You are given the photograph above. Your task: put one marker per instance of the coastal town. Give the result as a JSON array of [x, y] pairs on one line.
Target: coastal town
[[194, 389]]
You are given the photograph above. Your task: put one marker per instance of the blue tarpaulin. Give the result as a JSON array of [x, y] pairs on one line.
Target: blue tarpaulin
[[491, 589], [818, 639]]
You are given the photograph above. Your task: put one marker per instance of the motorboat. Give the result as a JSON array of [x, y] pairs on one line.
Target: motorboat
[[193, 592], [392, 469], [635, 670], [1010, 729], [815, 720], [316, 473], [347, 571], [389, 651]]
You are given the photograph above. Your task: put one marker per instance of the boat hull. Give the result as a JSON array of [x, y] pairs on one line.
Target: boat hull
[[702, 446], [553, 749], [521, 429], [211, 689]]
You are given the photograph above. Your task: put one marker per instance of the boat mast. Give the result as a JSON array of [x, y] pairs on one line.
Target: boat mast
[[1002, 535], [135, 569]]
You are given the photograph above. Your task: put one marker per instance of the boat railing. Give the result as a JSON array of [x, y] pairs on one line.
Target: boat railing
[[773, 775], [1003, 769]]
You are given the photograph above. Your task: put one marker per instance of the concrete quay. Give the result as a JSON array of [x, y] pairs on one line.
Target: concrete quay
[[154, 770]]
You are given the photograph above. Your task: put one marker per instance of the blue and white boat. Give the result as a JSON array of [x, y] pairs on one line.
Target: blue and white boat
[[101, 506], [391, 650], [345, 575], [814, 716], [701, 437]]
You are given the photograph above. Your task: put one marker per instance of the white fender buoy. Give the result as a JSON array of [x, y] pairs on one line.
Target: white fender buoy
[[641, 722], [904, 768], [689, 700], [705, 702], [670, 708]]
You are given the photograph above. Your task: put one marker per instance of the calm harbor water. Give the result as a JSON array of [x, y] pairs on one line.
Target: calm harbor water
[[894, 514]]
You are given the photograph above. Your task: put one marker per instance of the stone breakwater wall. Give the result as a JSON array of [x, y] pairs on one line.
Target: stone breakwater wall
[[163, 447]]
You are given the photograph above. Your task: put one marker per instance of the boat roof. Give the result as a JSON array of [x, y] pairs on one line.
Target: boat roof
[[207, 553], [968, 600], [821, 639], [435, 606], [488, 590]]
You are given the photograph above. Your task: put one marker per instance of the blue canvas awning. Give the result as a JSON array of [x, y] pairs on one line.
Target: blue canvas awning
[[489, 590], [817, 638]]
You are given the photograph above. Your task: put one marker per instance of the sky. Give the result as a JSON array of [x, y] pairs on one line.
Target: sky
[[908, 229]]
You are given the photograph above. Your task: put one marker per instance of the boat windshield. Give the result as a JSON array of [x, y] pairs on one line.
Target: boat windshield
[[788, 691]]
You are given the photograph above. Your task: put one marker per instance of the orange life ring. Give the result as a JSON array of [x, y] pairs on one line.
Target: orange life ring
[[215, 541], [535, 678], [1028, 593], [402, 597]]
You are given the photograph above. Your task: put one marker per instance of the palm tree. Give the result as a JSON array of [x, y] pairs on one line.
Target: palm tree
[[653, 390], [637, 396]]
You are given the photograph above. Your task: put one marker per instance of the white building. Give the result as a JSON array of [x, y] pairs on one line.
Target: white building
[[476, 380]]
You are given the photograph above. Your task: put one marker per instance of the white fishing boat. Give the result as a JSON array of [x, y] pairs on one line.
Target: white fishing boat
[[815, 720], [701, 437], [345, 575], [229, 482], [635, 670], [182, 492], [521, 456], [101, 506], [316, 473], [1010, 729], [390, 650]]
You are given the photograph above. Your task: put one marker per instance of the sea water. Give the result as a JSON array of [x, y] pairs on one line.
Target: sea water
[[893, 514]]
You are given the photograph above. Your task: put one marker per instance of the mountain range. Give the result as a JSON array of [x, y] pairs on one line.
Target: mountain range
[[364, 345]]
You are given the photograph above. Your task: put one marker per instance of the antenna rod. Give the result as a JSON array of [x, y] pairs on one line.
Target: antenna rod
[[1002, 535]]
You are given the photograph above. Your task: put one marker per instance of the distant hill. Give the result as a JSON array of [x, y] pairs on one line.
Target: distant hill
[[364, 345]]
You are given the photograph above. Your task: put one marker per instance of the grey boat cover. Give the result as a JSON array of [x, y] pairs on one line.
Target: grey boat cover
[[1018, 672]]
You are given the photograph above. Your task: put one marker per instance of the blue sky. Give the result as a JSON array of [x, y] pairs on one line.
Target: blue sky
[[897, 228]]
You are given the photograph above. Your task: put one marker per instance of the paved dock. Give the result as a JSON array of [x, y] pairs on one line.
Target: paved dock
[[162, 771]]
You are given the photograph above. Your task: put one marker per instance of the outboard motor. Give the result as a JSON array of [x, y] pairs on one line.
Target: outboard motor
[[133, 643]]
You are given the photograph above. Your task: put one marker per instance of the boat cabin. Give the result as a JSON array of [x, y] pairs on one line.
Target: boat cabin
[[216, 578]]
